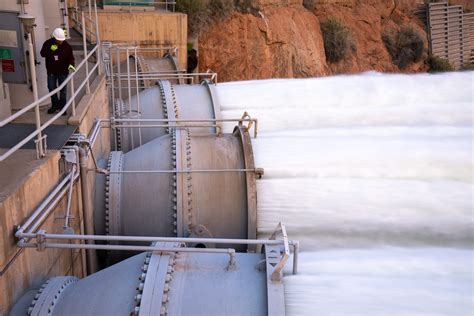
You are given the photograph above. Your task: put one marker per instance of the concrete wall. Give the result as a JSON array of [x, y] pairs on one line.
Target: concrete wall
[[52, 15], [92, 106], [29, 181], [24, 183], [147, 29]]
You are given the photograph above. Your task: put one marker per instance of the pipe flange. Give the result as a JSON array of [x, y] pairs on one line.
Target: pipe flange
[[155, 281], [49, 294], [118, 131], [163, 101], [175, 103], [141, 284], [143, 67], [189, 184], [107, 194], [113, 194], [174, 189]]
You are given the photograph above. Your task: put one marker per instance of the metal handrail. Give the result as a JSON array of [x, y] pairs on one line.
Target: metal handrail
[[72, 100], [47, 96], [253, 122], [36, 103]]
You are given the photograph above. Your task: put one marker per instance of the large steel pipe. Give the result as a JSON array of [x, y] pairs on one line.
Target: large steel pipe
[[218, 201], [166, 101], [182, 185], [161, 283]]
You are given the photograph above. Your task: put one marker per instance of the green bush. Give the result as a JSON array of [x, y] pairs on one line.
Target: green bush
[[438, 64], [337, 39], [405, 47]]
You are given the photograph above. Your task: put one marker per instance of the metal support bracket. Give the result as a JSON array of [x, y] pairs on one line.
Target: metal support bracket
[[285, 252], [41, 150], [40, 240]]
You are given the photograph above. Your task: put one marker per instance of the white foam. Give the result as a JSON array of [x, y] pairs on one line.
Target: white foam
[[360, 163]]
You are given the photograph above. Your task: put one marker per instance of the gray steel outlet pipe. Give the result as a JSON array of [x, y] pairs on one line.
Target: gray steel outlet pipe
[[181, 185], [160, 283], [184, 180], [166, 101]]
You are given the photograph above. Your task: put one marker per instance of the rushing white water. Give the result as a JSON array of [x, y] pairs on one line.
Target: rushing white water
[[374, 175]]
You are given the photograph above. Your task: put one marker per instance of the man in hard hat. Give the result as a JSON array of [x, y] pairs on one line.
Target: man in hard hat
[[59, 60]]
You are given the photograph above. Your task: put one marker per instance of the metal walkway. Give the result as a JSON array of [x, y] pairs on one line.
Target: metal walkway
[[12, 134]]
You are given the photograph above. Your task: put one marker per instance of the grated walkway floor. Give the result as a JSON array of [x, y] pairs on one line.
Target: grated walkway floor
[[57, 135]]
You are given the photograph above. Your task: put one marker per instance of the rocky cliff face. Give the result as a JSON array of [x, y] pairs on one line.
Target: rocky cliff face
[[284, 39], [282, 42], [368, 20]]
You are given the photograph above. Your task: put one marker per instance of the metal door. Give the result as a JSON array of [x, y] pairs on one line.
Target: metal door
[[11, 48]]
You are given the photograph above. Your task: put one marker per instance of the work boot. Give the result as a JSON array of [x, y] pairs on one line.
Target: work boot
[[51, 110]]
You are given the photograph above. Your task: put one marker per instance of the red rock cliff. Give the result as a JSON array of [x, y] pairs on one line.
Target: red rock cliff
[[281, 42], [284, 39]]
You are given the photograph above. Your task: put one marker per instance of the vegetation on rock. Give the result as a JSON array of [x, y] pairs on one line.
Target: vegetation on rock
[[337, 40], [203, 13], [405, 47], [438, 64]]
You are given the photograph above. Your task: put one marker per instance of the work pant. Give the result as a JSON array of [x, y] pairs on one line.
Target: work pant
[[55, 81]]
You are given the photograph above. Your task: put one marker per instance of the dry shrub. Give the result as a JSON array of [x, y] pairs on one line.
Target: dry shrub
[[405, 47], [202, 13], [337, 39], [438, 64]]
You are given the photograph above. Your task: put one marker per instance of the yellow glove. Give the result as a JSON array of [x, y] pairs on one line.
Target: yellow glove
[[71, 67], [54, 47]]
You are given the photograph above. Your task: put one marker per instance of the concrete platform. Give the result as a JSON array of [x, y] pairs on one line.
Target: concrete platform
[[18, 167]]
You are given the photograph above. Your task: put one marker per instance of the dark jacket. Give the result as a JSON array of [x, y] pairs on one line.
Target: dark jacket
[[57, 62]]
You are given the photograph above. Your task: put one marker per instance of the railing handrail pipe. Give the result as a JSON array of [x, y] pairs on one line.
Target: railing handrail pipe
[[47, 96]]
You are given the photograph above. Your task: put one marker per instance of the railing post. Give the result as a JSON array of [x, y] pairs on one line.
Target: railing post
[[90, 10], [137, 95], [39, 138], [97, 38], [84, 41], [73, 97]]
